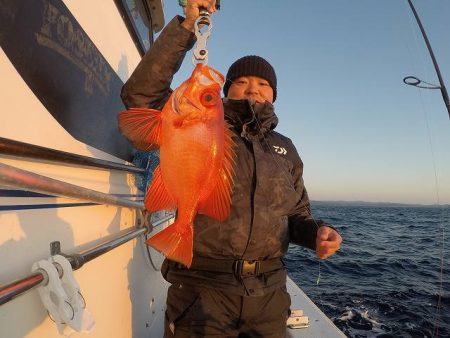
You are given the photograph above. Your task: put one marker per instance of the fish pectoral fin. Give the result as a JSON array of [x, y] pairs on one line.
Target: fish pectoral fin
[[217, 204], [175, 242], [157, 196], [142, 127]]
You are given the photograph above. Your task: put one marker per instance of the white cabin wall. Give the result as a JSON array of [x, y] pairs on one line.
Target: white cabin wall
[[104, 25], [24, 118]]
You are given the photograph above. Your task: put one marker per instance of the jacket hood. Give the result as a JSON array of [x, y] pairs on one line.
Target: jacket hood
[[250, 118]]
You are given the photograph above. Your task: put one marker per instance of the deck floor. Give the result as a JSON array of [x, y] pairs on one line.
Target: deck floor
[[320, 326]]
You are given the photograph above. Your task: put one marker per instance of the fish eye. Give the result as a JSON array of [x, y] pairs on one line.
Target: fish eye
[[209, 98]]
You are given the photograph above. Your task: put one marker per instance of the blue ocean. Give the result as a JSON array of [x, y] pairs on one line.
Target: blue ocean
[[391, 277]]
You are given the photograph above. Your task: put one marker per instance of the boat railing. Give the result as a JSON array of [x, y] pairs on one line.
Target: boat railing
[[22, 149], [77, 260], [11, 176]]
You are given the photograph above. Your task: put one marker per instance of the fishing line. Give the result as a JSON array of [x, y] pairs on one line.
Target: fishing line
[[437, 316], [279, 166]]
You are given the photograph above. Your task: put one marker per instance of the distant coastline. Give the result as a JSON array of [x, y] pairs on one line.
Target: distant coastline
[[378, 204]]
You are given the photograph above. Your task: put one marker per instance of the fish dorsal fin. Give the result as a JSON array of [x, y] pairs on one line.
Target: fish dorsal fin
[[142, 127], [217, 204], [157, 197]]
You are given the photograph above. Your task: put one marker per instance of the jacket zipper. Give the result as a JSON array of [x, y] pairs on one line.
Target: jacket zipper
[[252, 197]]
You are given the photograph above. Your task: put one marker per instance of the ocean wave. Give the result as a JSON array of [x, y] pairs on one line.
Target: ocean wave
[[386, 280]]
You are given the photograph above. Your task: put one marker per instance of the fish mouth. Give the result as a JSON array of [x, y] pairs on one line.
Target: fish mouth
[[211, 78], [218, 78], [182, 99]]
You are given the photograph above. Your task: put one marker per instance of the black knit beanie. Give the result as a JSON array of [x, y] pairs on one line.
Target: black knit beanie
[[251, 65]]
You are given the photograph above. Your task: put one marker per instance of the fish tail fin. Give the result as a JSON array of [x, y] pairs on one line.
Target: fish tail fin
[[175, 242]]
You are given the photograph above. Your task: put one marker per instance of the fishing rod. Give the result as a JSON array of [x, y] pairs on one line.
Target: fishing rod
[[414, 81]]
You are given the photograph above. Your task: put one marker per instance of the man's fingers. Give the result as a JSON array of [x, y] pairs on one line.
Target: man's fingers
[[323, 233], [328, 244], [210, 5], [325, 250]]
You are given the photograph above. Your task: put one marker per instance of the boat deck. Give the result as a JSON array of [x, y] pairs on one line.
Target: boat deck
[[320, 326]]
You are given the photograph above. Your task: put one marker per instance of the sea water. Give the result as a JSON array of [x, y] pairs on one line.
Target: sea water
[[391, 277]]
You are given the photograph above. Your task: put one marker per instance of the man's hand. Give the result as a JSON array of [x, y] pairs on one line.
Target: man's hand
[[192, 11], [328, 241]]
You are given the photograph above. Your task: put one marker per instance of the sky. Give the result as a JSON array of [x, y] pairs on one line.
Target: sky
[[362, 134]]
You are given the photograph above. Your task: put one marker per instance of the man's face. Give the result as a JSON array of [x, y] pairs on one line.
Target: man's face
[[250, 88]]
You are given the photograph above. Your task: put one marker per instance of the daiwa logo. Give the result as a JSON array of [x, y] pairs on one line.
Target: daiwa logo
[[280, 150]]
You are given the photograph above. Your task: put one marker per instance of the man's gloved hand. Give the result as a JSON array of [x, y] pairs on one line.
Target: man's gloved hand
[[192, 11]]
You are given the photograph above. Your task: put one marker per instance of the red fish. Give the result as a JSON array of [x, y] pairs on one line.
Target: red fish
[[196, 157]]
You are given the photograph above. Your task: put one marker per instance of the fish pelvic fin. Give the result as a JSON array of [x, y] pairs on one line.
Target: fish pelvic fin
[[157, 196], [217, 204], [175, 242], [142, 127]]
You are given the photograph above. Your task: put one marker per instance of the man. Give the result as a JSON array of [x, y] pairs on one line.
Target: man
[[236, 286]]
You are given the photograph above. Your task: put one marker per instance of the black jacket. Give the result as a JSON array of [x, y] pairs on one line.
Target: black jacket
[[270, 205]]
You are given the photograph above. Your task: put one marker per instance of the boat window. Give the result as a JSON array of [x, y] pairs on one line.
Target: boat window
[[136, 15]]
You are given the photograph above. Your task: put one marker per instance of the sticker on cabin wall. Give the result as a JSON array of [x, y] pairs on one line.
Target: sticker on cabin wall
[[65, 70]]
